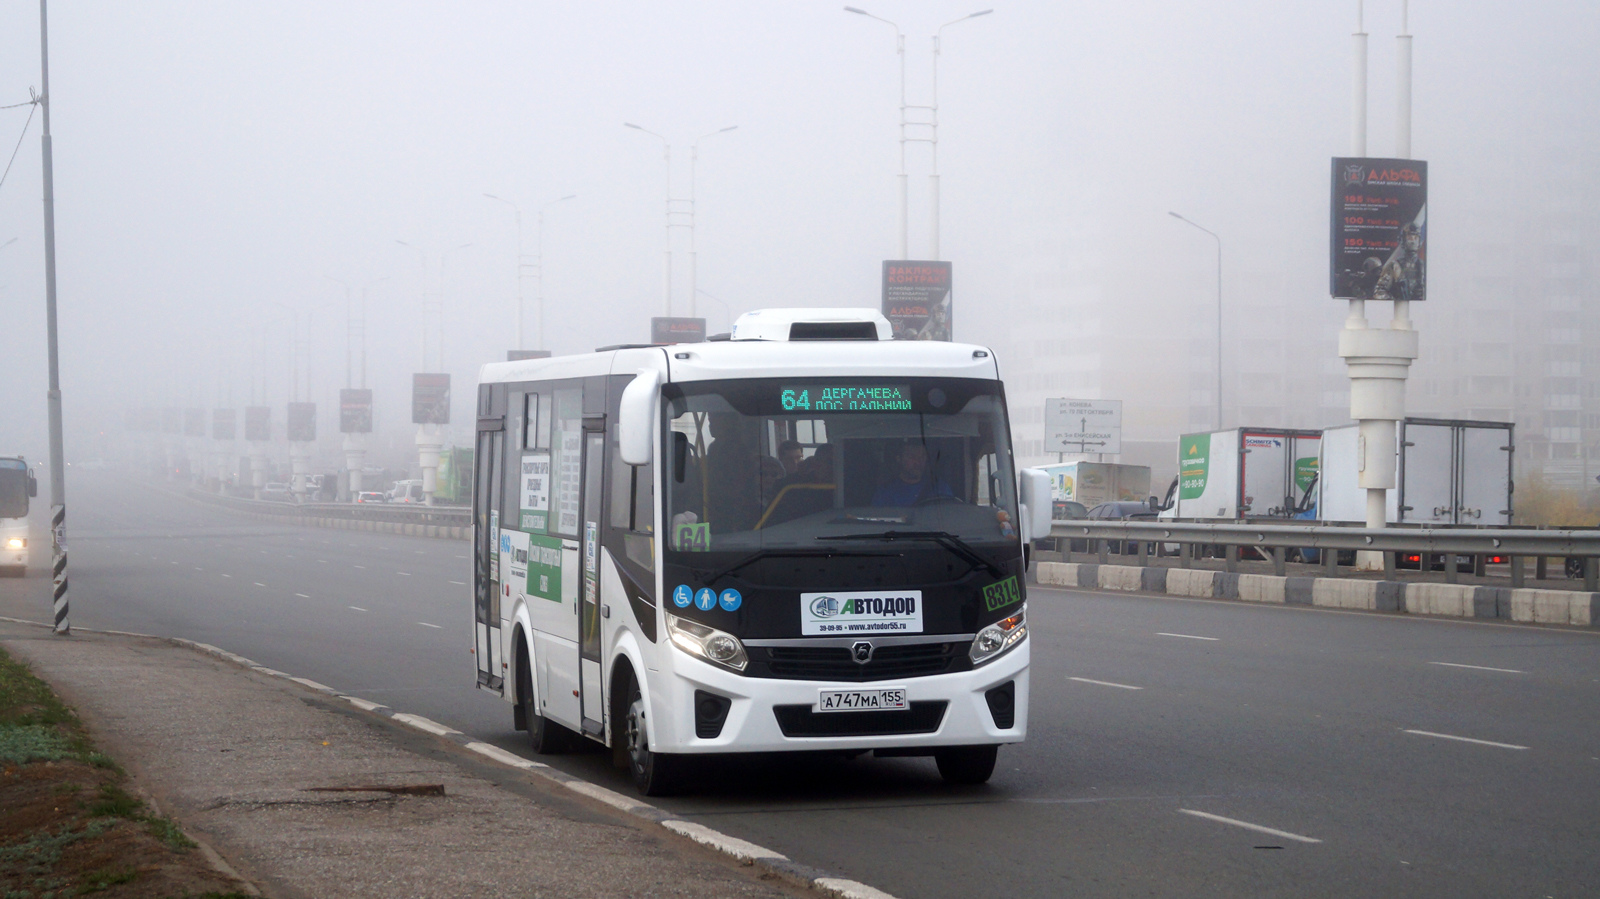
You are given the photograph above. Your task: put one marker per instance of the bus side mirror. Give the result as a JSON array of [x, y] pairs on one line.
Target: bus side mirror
[[1036, 503], [637, 418], [33, 485]]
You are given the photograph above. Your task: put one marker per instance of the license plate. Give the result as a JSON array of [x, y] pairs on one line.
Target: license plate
[[893, 699]]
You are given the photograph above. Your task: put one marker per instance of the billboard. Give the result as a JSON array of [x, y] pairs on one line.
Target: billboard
[[519, 355], [258, 423], [194, 422], [1378, 229], [222, 424], [430, 399], [355, 410], [677, 330], [171, 420], [916, 299], [302, 422]]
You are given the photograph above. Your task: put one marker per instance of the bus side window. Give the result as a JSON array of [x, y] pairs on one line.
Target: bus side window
[[632, 506]]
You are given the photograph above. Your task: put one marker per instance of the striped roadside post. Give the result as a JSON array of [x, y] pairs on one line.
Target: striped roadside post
[[58, 576]]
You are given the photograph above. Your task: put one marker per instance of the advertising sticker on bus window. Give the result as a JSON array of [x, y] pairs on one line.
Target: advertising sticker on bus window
[[534, 485], [544, 567], [861, 612]]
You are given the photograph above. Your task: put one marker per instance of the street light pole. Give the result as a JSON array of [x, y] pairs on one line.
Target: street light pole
[[694, 214], [58, 456], [422, 260], [900, 48], [538, 282], [1219, 309], [666, 150], [933, 178], [518, 210]]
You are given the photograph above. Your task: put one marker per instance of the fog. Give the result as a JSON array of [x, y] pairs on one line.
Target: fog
[[217, 166]]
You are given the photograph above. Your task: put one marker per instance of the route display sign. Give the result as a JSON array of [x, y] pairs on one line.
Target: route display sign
[[916, 299], [355, 410], [430, 399], [258, 423], [1378, 233], [668, 330], [845, 397], [302, 422], [1082, 426]]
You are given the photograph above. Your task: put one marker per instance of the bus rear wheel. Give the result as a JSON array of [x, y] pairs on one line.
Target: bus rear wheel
[[654, 773], [544, 736], [966, 764]]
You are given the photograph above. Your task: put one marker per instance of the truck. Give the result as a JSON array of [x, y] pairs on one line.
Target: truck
[[1244, 473], [1450, 472], [17, 486], [1092, 483]]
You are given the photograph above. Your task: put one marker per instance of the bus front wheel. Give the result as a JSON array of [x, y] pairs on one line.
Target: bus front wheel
[[966, 764], [654, 773]]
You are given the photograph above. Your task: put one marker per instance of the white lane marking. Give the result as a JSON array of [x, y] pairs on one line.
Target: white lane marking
[[358, 608], [199, 569], [1248, 826], [362, 567], [459, 583], [1429, 733], [303, 595], [1103, 683], [434, 626], [258, 583], [323, 561], [420, 552], [403, 573], [227, 575], [461, 557], [1478, 667], [1187, 636]]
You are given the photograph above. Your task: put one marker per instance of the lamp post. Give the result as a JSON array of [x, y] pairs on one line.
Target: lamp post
[[518, 212], [681, 210], [355, 445], [430, 442], [538, 280], [58, 456], [932, 126], [1219, 308]]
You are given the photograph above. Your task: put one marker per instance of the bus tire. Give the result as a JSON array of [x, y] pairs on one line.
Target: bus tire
[[654, 773], [544, 736], [966, 764]]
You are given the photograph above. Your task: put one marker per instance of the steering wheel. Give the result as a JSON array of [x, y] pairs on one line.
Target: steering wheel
[[932, 498]]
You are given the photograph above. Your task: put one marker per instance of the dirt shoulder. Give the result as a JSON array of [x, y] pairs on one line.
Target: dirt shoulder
[[291, 788], [68, 824]]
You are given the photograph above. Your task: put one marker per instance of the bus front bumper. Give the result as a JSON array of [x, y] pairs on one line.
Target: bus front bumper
[[752, 722]]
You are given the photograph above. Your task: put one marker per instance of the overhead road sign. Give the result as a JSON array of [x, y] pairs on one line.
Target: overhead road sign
[[1082, 426]]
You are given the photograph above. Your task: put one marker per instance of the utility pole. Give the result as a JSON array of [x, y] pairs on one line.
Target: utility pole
[[58, 456]]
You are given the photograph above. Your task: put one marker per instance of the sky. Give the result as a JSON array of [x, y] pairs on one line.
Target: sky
[[221, 168]]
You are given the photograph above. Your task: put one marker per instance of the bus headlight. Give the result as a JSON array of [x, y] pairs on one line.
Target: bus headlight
[[707, 643], [17, 543], [995, 639]]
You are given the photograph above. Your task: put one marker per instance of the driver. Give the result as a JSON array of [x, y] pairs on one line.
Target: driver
[[912, 481]]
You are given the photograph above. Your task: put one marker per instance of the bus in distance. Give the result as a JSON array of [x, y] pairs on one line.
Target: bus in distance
[[807, 536], [17, 486]]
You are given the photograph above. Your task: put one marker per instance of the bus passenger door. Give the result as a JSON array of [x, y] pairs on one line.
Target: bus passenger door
[[589, 601], [488, 489]]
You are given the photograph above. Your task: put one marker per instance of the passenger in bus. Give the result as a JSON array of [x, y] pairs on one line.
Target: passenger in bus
[[913, 481], [806, 492], [790, 452], [733, 471]]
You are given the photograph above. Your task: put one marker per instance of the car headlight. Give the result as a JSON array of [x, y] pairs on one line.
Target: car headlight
[[707, 643], [995, 639], [17, 543]]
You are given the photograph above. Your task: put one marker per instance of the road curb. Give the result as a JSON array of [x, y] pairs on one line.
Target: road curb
[[746, 853], [1565, 608]]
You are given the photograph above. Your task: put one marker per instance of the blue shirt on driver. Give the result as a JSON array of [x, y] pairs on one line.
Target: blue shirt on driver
[[899, 493]]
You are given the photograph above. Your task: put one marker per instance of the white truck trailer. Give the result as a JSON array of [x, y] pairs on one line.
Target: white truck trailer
[[1092, 483], [1450, 472], [1244, 473]]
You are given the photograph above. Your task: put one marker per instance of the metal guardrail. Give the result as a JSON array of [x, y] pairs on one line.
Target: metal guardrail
[[400, 513], [1277, 539]]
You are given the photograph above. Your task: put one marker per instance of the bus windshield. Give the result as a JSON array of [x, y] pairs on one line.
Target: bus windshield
[[809, 463], [13, 488]]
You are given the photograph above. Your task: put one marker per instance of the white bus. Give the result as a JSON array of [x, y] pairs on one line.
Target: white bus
[[805, 537], [17, 485]]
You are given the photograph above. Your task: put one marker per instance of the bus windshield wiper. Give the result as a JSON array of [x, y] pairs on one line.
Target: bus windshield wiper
[[949, 541], [760, 554]]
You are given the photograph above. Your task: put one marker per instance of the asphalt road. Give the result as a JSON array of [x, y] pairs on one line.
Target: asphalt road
[[1177, 747]]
